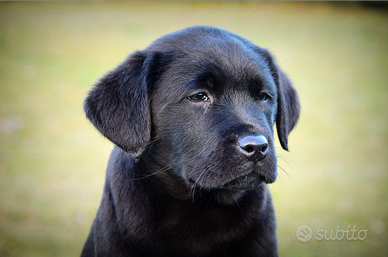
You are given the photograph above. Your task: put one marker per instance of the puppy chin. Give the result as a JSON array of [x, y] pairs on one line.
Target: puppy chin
[[250, 181], [244, 182], [270, 178]]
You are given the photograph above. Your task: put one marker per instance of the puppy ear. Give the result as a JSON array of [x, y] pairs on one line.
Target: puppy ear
[[288, 107], [288, 101], [119, 104]]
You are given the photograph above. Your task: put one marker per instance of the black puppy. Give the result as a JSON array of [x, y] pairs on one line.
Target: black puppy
[[192, 117]]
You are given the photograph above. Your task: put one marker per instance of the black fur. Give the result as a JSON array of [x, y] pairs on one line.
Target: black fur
[[177, 183]]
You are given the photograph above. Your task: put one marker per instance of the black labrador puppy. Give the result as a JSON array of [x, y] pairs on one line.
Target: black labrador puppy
[[192, 119]]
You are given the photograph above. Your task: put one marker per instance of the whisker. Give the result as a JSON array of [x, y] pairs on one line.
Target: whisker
[[281, 182], [192, 192], [151, 144], [238, 205], [284, 159], [153, 174], [286, 173], [194, 185]]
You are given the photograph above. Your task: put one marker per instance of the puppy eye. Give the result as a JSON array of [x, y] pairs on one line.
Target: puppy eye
[[200, 97], [263, 96]]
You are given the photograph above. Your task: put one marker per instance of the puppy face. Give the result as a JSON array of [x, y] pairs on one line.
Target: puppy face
[[202, 102], [200, 117]]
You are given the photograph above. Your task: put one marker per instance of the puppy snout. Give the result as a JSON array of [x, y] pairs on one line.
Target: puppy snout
[[254, 147]]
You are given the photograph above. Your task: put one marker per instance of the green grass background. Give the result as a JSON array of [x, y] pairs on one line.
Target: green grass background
[[52, 161]]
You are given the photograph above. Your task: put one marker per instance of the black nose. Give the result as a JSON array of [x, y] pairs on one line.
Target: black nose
[[254, 147]]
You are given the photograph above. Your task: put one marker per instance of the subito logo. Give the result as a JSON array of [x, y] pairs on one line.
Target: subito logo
[[304, 233]]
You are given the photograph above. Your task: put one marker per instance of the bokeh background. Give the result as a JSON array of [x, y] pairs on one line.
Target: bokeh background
[[52, 161]]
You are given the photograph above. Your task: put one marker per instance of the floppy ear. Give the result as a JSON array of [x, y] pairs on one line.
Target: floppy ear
[[119, 104], [288, 107], [288, 101]]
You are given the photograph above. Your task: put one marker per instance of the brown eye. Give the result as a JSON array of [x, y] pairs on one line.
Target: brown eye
[[200, 97], [263, 96]]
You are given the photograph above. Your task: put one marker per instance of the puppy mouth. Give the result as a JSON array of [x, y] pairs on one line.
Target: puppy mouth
[[248, 181], [245, 182]]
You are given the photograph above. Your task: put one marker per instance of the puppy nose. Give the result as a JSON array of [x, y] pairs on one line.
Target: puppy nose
[[254, 147]]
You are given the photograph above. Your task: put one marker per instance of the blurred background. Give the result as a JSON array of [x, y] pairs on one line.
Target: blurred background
[[52, 160]]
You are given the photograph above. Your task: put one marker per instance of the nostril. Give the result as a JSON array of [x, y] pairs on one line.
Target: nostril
[[249, 149], [263, 148]]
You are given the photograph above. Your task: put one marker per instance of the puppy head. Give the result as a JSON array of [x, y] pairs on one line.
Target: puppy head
[[205, 98]]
